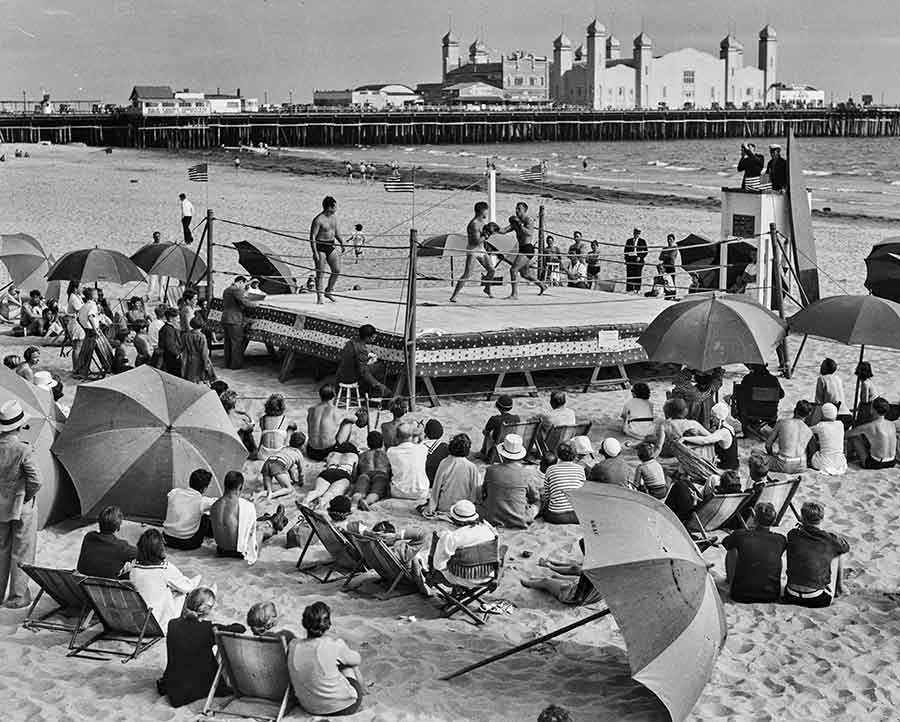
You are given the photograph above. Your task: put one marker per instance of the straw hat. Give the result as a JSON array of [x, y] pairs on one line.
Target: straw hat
[[463, 512], [45, 380], [611, 447], [12, 417], [512, 447], [582, 445], [775, 146]]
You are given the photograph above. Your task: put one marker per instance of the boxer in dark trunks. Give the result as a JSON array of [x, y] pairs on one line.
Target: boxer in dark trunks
[[475, 251], [523, 226], [322, 234]]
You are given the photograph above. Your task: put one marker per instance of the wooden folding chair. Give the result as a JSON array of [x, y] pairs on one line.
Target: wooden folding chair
[[63, 586], [482, 563], [345, 558], [779, 494], [559, 434], [526, 429], [694, 466], [125, 619], [256, 668], [379, 557], [67, 343], [714, 513]]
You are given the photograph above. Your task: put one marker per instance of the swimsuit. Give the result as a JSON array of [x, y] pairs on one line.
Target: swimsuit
[[527, 250], [326, 247]]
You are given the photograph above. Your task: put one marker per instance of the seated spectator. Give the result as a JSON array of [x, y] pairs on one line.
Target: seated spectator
[[753, 561], [358, 364], [241, 421], [564, 476], [284, 467], [559, 415], [103, 554], [31, 359], [324, 670], [730, 481], [187, 513], [791, 437], [354, 429], [683, 498], [649, 476], [262, 618], [699, 395], [456, 478], [322, 423], [829, 390], [612, 468], [135, 315], [510, 497], [567, 584], [867, 392], [157, 580], [143, 348], [389, 428], [335, 479], [829, 435], [275, 427], [874, 443], [676, 426], [31, 317], [471, 530], [235, 527], [555, 713], [120, 363], [637, 413], [760, 377], [584, 452], [373, 473], [409, 479], [813, 560], [437, 449], [191, 663], [492, 428], [722, 439], [340, 509]]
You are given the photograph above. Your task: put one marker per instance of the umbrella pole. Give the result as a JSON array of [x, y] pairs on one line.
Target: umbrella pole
[[862, 351], [778, 300], [526, 645], [410, 329], [799, 351]]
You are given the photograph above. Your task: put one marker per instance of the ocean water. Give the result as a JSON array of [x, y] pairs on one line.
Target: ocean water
[[848, 175]]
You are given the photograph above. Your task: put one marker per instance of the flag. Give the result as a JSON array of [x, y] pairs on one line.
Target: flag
[[535, 174], [199, 173], [399, 185], [758, 183]]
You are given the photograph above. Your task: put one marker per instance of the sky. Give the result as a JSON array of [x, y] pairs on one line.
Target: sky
[[99, 49]]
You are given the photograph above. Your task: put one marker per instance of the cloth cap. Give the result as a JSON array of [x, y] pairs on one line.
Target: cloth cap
[[512, 447], [611, 447], [12, 416], [504, 403], [582, 445], [720, 411], [45, 380], [775, 146], [463, 512], [829, 412]]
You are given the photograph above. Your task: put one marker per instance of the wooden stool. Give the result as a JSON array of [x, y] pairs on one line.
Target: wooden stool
[[347, 391]]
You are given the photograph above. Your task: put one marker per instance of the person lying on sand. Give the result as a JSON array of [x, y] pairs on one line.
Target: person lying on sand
[[373, 473], [568, 590], [335, 479]]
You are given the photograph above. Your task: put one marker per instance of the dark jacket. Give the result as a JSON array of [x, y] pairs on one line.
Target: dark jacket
[[752, 165], [354, 366], [810, 551], [635, 250], [104, 555], [170, 348], [234, 303], [778, 173]]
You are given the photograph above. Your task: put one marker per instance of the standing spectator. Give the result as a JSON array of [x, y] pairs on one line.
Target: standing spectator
[[812, 580], [495, 423], [408, 477], [777, 168], [243, 424], [751, 163], [19, 484], [635, 253], [668, 256], [437, 449], [456, 477], [187, 307], [74, 302], [187, 215], [510, 497], [103, 554], [593, 261], [564, 476], [753, 560], [196, 365], [234, 304], [159, 320], [170, 344], [155, 287], [868, 392]]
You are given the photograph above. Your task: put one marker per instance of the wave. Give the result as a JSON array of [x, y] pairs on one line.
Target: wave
[[818, 173], [658, 163], [684, 168]]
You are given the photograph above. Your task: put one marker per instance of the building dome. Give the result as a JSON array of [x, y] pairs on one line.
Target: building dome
[[562, 42], [579, 53], [643, 41], [450, 38], [613, 42], [478, 48], [729, 42], [767, 33], [596, 28]]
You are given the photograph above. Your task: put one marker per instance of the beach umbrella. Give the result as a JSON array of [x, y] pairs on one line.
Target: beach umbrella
[[95, 264], [883, 269], [454, 244], [22, 255], [274, 273], [56, 498], [132, 437], [174, 260], [707, 330]]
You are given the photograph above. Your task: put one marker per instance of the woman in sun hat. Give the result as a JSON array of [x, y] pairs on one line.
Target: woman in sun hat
[[510, 492]]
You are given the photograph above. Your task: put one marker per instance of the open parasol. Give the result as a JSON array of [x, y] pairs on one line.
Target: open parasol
[[455, 244], [95, 264], [883, 269], [174, 260], [274, 273]]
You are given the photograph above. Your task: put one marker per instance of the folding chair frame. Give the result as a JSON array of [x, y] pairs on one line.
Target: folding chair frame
[[787, 504], [558, 434], [32, 623], [494, 456], [313, 519], [747, 501], [383, 552]]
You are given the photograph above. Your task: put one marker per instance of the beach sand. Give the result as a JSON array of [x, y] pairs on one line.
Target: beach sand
[[780, 663]]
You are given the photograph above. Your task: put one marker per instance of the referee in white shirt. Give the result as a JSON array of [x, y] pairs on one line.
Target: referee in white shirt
[[187, 213]]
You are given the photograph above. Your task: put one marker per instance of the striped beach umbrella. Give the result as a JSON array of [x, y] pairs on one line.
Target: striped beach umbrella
[[174, 260], [95, 264]]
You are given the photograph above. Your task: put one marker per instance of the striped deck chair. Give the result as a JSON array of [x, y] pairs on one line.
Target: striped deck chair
[[526, 429], [695, 467], [482, 563], [379, 557], [559, 434], [125, 618], [780, 494], [345, 558], [72, 610], [256, 668], [714, 513]]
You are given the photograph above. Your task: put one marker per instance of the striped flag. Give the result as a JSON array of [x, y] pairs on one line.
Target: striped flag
[[759, 184], [535, 174], [199, 173], [399, 185]]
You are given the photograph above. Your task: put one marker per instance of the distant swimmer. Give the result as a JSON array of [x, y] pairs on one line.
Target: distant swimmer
[[475, 250], [520, 264], [322, 234]]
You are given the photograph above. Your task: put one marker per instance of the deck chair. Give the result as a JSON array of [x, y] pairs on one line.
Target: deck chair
[[345, 558], [125, 619], [526, 429], [72, 612], [379, 557], [482, 563], [715, 512], [754, 406], [780, 494], [559, 434], [691, 464], [256, 668]]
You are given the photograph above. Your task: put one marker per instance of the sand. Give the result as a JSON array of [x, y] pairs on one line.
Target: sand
[[779, 663]]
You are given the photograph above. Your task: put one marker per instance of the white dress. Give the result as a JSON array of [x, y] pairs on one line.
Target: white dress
[[162, 588]]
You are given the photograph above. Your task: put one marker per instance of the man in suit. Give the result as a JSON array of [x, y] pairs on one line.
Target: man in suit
[[170, 344], [777, 169], [234, 302], [635, 253]]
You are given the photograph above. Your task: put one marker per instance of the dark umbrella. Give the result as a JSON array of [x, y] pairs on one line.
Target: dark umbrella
[[95, 264], [883, 269], [260, 261], [173, 260]]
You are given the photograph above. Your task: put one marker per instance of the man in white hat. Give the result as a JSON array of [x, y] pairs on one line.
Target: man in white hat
[[584, 452], [777, 168], [19, 484], [612, 468], [510, 496]]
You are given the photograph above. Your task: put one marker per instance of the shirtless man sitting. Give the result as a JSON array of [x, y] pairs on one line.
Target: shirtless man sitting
[[322, 422], [791, 436], [523, 226], [322, 234], [224, 517], [475, 250], [874, 444]]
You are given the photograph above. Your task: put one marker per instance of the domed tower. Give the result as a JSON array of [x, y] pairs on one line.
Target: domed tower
[[642, 53], [450, 54], [478, 52], [768, 60], [732, 52], [562, 64], [596, 62], [613, 48]]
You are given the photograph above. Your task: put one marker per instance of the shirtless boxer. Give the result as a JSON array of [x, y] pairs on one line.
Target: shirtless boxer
[[475, 250], [322, 234], [520, 264]]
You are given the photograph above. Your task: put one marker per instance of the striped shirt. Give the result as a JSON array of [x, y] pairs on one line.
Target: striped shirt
[[562, 477]]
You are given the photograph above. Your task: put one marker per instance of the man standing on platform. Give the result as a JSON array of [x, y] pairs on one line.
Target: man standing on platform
[[635, 253], [234, 303], [523, 225], [777, 169], [322, 234], [475, 250], [187, 215]]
